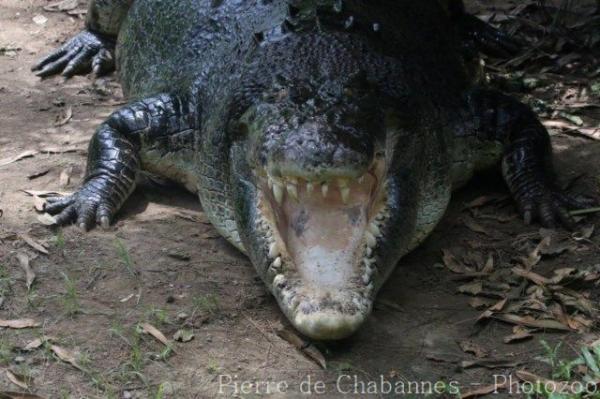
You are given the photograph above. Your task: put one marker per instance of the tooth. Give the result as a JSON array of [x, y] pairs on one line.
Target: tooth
[[277, 263], [278, 192], [361, 179], [309, 187], [324, 189], [273, 250], [345, 191], [270, 182], [374, 229], [292, 190], [369, 251], [366, 278], [371, 240], [279, 279]]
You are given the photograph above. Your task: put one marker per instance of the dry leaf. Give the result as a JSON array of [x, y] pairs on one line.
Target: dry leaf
[[151, 330], [63, 5], [19, 323], [65, 176], [473, 348], [498, 306], [66, 356], [18, 395], [183, 336], [484, 390], [29, 274], [474, 288], [489, 363], [33, 244], [535, 379], [210, 235], [529, 321], [36, 343], [66, 118], [520, 333], [39, 203], [480, 303], [476, 227], [47, 219], [23, 155], [584, 234], [484, 200], [45, 193], [18, 379], [535, 256], [533, 277], [58, 150], [308, 349], [452, 263], [488, 268], [35, 175]]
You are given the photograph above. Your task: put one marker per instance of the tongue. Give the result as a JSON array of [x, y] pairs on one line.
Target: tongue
[[323, 237]]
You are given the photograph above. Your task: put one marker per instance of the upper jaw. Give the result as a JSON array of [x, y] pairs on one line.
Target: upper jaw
[[321, 246]]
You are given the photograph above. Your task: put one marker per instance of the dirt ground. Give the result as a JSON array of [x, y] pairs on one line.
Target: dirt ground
[[163, 264]]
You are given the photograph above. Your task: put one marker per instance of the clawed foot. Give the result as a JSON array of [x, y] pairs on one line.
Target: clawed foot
[[89, 206], [551, 206], [488, 39], [86, 51]]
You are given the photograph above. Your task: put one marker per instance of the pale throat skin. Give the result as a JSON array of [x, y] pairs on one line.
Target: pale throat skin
[[323, 138]]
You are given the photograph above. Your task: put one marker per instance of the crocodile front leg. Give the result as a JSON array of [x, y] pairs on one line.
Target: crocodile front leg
[[527, 160], [114, 161], [93, 48]]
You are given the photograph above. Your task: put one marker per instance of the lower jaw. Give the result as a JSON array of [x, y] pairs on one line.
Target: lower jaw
[[318, 311], [325, 314]]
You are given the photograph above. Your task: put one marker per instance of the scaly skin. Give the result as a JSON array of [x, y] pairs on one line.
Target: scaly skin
[[323, 141], [93, 49]]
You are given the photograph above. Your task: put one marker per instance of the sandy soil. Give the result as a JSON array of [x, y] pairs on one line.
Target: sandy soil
[[163, 264]]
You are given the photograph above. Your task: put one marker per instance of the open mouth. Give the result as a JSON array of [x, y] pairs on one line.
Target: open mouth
[[322, 245]]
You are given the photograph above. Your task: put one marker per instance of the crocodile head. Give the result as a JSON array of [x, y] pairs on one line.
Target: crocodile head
[[315, 186]]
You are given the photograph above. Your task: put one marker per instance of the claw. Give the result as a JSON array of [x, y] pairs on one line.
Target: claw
[[104, 222], [527, 216], [84, 51]]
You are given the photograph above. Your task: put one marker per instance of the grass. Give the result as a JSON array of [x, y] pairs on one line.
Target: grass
[[160, 392], [158, 316], [205, 304], [70, 299], [33, 299], [5, 281], [59, 240], [125, 257], [6, 352], [576, 373], [212, 366], [133, 368]]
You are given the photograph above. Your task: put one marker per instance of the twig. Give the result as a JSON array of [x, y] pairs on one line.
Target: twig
[[584, 211]]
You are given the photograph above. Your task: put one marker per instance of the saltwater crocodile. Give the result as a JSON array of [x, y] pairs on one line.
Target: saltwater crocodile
[[323, 137]]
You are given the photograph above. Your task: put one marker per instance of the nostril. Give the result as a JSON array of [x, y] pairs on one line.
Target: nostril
[[299, 141]]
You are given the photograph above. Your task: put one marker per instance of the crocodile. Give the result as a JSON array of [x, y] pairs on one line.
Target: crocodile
[[323, 137]]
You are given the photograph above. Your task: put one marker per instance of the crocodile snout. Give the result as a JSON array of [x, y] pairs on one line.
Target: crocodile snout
[[315, 151]]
